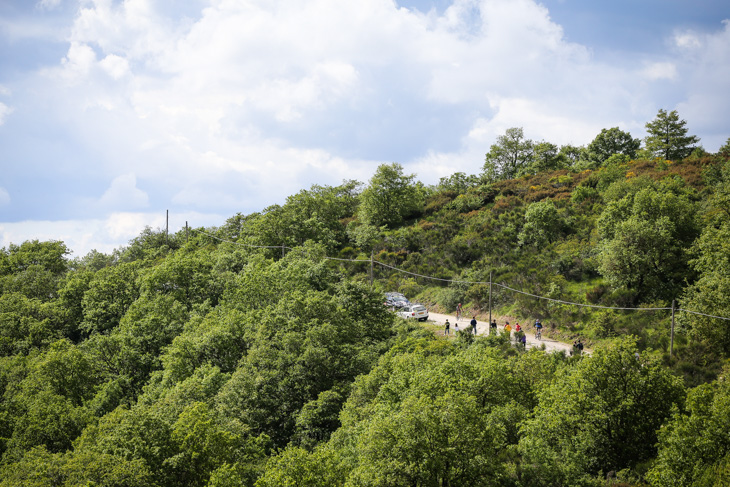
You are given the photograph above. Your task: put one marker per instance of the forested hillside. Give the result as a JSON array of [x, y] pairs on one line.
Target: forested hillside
[[260, 353]]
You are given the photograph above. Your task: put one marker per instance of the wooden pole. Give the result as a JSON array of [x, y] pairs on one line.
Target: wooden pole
[[490, 300], [671, 334], [371, 268], [187, 234]]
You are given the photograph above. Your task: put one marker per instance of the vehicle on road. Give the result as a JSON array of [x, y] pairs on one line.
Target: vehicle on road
[[396, 301], [414, 311]]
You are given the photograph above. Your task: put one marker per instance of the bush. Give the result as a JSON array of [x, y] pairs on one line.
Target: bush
[[602, 326]]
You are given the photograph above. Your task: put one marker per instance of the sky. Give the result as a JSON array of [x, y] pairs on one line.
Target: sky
[[114, 113]]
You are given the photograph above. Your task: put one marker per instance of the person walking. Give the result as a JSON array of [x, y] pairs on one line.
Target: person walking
[[508, 329], [473, 324], [493, 327], [446, 327]]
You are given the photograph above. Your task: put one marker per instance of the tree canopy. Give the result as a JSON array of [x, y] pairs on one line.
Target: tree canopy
[[613, 141], [508, 156], [667, 136], [261, 353], [390, 198]]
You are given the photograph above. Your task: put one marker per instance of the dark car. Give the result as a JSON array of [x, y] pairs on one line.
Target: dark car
[[396, 300]]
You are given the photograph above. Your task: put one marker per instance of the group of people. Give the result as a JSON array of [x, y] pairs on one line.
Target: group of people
[[472, 323], [519, 333], [520, 336]]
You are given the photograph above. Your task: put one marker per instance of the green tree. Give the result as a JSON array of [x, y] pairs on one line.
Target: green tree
[[458, 182], [434, 414], [613, 141], [364, 235], [111, 292], [49, 255], [220, 338], [150, 324], [40, 468], [204, 445], [93, 261], [391, 197], [295, 467], [645, 237], [27, 324], [667, 136], [571, 154], [33, 281], [545, 157], [187, 276], [711, 260], [601, 415], [543, 224], [694, 448], [725, 149], [47, 403], [509, 156], [33, 268], [150, 244], [709, 293], [317, 214], [70, 296], [441, 440]]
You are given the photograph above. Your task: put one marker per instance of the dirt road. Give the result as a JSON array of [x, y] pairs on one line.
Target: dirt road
[[483, 328]]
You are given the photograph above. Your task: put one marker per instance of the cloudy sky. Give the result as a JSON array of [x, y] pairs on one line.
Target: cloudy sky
[[112, 112]]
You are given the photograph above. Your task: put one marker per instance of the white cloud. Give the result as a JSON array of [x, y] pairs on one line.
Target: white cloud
[[4, 197], [102, 234], [236, 106], [687, 40], [48, 4], [115, 66], [78, 61], [4, 112], [124, 194], [660, 70], [707, 105]]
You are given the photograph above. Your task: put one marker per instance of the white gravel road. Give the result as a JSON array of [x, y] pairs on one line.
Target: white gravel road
[[483, 328]]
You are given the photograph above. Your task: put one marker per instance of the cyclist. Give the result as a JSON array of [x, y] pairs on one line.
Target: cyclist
[[538, 329], [458, 311]]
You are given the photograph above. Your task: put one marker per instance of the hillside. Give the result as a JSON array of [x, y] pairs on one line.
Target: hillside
[[260, 352]]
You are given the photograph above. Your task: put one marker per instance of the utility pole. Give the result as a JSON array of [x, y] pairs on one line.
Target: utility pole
[[167, 226], [371, 267], [671, 334], [187, 235], [490, 300]]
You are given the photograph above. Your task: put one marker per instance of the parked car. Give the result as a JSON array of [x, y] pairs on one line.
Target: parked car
[[396, 300], [414, 311]]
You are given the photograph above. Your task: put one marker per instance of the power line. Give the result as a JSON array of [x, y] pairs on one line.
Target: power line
[[457, 281]]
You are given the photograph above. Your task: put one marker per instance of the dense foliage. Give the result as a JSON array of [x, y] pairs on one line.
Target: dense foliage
[[260, 352]]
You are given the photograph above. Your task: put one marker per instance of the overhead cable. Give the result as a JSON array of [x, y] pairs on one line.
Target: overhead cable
[[457, 281]]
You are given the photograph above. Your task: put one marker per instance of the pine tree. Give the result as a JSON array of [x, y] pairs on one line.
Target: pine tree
[[668, 136]]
